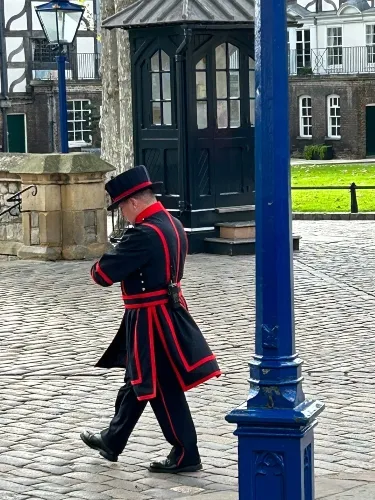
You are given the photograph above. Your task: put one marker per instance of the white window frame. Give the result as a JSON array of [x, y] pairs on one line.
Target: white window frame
[[303, 43], [331, 117], [339, 64], [302, 117], [79, 143], [370, 47]]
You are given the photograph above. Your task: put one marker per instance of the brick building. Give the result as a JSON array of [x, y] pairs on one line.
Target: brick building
[[29, 116], [332, 69]]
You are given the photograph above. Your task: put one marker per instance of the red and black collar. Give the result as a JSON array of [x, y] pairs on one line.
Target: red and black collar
[[149, 211]]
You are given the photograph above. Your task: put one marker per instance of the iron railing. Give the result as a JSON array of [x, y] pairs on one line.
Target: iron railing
[[333, 60], [15, 209], [78, 67], [353, 188]]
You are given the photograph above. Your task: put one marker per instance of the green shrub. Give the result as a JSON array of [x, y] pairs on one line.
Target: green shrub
[[317, 152]]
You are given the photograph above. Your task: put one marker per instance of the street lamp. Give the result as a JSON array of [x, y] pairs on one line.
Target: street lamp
[[275, 425], [60, 21]]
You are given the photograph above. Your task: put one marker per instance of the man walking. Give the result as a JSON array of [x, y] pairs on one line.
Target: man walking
[[158, 343]]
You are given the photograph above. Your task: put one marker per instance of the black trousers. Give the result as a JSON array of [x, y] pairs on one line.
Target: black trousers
[[171, 410]]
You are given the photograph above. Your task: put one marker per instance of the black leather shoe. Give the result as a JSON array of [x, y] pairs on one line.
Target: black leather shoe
[[169, 466], [95, 442]]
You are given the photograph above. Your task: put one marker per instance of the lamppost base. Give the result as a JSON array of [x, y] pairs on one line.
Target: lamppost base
[[276, 451]]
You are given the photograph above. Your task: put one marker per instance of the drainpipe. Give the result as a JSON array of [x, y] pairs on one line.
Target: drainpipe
[[4, 81], [180, 58]]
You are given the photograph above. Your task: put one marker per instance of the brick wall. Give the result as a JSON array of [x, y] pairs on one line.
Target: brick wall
[[355, 93], [42, 112]]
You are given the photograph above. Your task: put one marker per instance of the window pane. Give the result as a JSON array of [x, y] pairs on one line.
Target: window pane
[[70, 126], [77, 116], [201, 64], [235, 120], [165, 62], [221, 57], [156, 113], [222, 114], [221, 84], [70, 105], [234, 57], [70, 136], [86, 136], [202, 115], [252, 84], [155, 62], [201, 88], [167, 113], [166, 78], [155, 86], [252, 112], [251, 63], [234, 82]]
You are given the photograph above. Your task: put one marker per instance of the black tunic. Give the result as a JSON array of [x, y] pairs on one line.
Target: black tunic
[[147, 258]]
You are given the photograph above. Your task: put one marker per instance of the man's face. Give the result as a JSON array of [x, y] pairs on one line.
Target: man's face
[[129, 209]]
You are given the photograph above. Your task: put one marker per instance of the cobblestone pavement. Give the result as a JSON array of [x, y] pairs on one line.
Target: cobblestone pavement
[[55, 323]]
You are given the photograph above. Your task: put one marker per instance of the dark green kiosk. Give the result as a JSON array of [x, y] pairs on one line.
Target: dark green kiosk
[[193, 85]]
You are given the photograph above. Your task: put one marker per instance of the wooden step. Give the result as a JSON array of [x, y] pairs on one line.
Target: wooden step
[[244, 246], [242, 208], [236, 230]]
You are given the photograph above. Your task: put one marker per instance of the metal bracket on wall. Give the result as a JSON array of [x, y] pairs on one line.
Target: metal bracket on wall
[[16, 199]]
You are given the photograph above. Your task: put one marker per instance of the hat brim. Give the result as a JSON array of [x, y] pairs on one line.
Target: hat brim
[[154, 186]]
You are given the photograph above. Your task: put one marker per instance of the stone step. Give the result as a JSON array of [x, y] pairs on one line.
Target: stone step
[[236, 230], [241, 246], [228, 210]]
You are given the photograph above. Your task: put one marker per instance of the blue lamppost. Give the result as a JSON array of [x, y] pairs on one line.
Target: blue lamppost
[[60, 21], [275, 425]]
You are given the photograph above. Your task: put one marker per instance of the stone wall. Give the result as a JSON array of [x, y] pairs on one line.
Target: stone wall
[[11, 234]]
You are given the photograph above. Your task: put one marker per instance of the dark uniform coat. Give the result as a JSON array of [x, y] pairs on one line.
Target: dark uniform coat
[[148, 257]]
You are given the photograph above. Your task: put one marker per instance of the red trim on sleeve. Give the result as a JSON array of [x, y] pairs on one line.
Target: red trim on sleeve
[[103, 275], [132, 190]]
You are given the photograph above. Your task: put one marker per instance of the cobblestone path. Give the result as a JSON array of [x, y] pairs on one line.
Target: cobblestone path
[[55, 324]]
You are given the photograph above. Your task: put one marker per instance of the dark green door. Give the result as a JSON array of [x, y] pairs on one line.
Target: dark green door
[[16, 133], [370, 131]]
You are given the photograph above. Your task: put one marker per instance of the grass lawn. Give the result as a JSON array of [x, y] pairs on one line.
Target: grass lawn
[[332, 175]]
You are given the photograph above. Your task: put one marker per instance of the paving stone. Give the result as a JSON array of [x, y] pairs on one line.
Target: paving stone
[[51, 390]]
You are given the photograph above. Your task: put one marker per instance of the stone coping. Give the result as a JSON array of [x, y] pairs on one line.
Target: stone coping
[[333, 216], [54, 163]]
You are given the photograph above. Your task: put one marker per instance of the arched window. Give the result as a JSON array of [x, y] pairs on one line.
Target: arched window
[[227, 58], [161, 101], [305, 116], [252, 90], [334, 116], [201, 93]]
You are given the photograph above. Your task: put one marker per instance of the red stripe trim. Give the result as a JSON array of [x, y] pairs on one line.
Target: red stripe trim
[[188, 367], [146, 304], [102, 274], [178, 244], [172, 427], [202, 380], [136, 354], [132, 190], [145, 295], [152, 350], [217, 373], [166, 251]]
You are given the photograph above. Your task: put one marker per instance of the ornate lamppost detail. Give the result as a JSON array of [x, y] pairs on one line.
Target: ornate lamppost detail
[[275, 425]]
